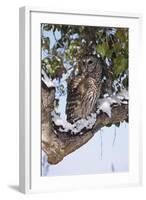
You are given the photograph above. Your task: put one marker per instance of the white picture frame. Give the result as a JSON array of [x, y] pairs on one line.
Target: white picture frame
[[30, 179]]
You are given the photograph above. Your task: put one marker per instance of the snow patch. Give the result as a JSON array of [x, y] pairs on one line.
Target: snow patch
[[114, 100], [75, 128], [106, 103], [123, 95], [47, 80], [105, 106]]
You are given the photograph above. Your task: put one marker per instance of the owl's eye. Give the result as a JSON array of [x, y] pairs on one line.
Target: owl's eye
[[90, 62]]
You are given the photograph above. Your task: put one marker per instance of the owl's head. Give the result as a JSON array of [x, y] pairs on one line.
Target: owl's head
[[90, 64]]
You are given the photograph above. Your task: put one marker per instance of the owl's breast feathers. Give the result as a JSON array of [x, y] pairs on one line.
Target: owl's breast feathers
[[82, 97]]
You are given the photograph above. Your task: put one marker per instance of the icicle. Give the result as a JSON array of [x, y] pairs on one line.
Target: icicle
[[115, 135]]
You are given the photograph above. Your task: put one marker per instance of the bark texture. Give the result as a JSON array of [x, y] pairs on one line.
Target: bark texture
[[56, 144]]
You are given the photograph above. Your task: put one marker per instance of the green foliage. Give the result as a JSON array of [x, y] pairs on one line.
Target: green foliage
[[103, 50], [111, 44], [120, 64]]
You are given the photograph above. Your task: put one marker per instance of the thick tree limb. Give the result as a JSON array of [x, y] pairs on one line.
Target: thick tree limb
[[56, 144]]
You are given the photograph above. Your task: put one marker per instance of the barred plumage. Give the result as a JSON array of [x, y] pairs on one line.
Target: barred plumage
[[84, 90]]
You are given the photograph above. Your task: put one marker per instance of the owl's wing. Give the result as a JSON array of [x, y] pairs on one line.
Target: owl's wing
[[82, 98], [74, 98], [90, 96]]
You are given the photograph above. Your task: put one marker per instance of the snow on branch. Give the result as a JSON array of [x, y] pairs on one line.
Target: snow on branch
[[47, 81], [75, 128], [123, 95], [105, 105]]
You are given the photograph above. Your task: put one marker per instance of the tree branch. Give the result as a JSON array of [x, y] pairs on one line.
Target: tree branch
[[58, 144]]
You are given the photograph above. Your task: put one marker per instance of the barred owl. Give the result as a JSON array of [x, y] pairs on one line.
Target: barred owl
[[84, 90]]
